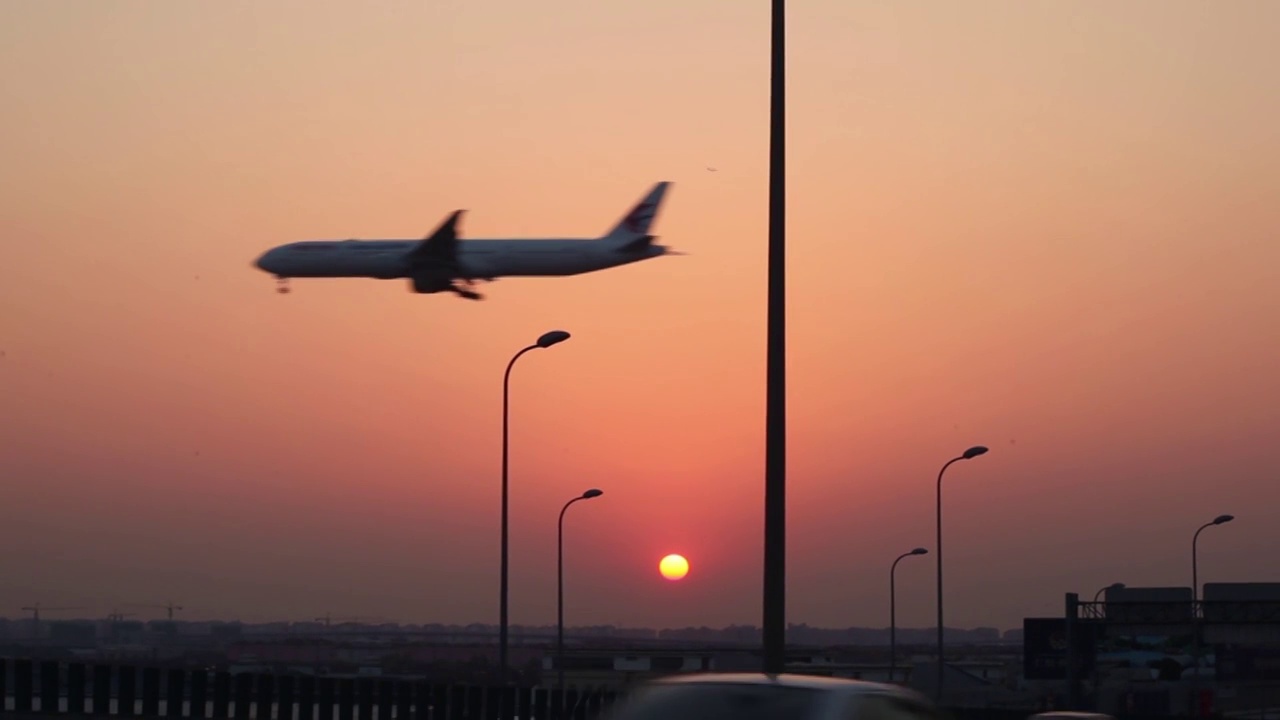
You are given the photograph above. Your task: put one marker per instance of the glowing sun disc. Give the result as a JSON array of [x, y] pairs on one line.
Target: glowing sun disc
[[673, 567]]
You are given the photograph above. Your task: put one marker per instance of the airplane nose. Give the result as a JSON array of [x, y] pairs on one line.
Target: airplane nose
[[261, 262]]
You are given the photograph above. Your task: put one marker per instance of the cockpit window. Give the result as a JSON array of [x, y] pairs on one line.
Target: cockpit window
[[718, 701]]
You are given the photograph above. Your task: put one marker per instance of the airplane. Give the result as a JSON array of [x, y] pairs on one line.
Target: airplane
[[440, 261]]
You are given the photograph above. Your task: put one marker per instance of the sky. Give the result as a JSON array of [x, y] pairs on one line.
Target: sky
[[1048, 228]]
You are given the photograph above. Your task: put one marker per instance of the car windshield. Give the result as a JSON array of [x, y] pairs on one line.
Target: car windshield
[[718, 701]]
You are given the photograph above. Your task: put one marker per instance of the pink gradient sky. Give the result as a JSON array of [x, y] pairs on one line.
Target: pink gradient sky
[[1048, 228]]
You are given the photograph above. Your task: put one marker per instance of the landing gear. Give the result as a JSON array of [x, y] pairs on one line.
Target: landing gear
[[282, 285], [438, 282], [468, 294]]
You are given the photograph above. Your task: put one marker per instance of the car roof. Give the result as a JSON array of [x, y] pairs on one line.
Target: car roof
[[816, 682], [1070, 714]]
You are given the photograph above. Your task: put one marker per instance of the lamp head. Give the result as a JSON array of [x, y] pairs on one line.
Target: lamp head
[[920, 551], [974, 452], [592, 493], [1116, 586], [1223, 519], [551, 338]]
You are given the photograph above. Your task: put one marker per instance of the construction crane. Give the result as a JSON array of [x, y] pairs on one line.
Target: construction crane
[[35, 615], [167, 607], [35, 610]]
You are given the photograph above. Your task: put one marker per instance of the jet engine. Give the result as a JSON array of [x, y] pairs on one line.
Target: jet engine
[[426, 283], [431, 283]]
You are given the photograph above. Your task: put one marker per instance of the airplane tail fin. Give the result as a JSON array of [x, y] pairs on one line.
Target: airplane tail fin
[[633, 228]]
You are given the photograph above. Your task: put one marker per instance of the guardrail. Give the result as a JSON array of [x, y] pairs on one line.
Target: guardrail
[[70, 689], [79, 689]]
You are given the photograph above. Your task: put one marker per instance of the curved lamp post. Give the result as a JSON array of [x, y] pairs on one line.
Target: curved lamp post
[[893, 609], [592, 493], [545, 341], [1195, 584], [1195, 578], [1112, 586], [969, 454]]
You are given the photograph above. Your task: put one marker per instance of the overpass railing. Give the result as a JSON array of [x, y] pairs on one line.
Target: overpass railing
[[1172, 612], [53, 687]]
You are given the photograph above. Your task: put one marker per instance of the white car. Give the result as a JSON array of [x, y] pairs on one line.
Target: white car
[[750, 696]]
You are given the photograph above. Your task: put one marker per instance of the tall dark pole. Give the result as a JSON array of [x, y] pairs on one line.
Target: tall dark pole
[[1195, 570], [775, 470], [893, 618], [893, 610], [560, 604], [503, 583], [1072, 632], [969, 454], [592, 493]]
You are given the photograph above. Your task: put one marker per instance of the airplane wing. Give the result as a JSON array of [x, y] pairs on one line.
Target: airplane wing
[[441, 245]]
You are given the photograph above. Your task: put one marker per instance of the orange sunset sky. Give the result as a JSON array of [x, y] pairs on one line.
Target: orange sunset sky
[[1050, 228]]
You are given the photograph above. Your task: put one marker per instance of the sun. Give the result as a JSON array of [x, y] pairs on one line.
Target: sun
[[673, 567]]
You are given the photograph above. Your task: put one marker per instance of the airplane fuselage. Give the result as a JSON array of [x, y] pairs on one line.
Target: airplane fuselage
[[477, 259], [437, 262]]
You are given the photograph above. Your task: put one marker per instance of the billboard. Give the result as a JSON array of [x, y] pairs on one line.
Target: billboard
[[1149, 605], [1241, 602]]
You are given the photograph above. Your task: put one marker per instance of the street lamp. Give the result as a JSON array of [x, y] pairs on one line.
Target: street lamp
[[1195, 579], [1196, 611], [592, 493], [1112, 586], [893, 610], [969, 454], [545, 341]]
